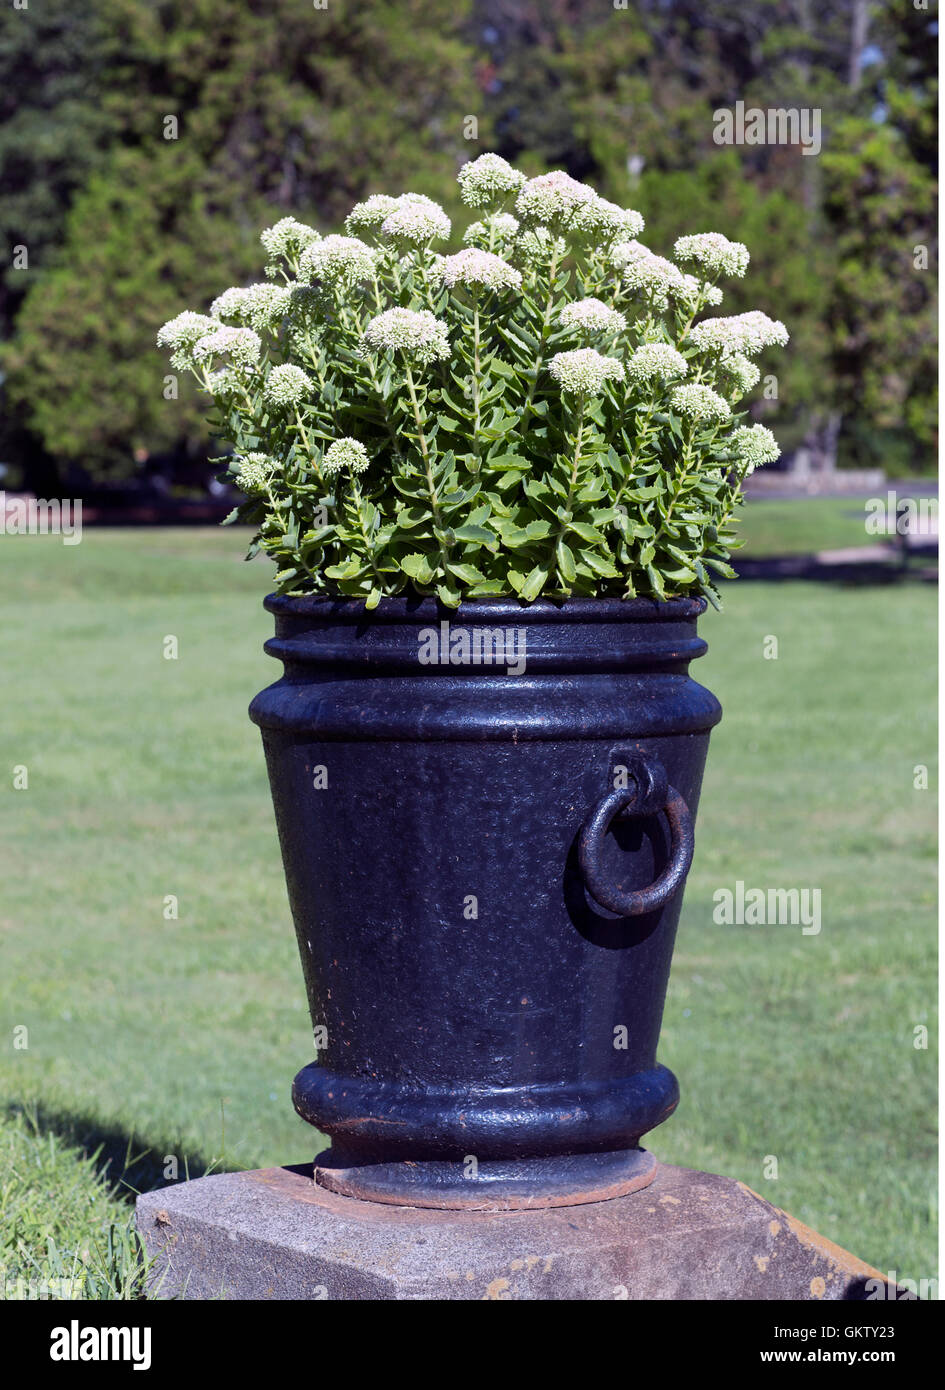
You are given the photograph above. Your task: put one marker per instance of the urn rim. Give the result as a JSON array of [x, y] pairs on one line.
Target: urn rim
[[425, 610]]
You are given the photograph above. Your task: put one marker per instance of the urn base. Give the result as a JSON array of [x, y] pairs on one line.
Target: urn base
[[516, 1184], [484, 1148]]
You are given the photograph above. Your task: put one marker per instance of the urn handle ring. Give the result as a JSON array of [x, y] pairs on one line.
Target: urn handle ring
[[647, 794]]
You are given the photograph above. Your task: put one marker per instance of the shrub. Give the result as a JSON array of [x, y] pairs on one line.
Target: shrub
[[544, 411]]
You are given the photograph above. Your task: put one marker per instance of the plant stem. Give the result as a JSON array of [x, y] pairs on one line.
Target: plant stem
[[362, 527], [421, 436], [542, 338], [642, 436], [476, 371], [572, 485], [428, 469]]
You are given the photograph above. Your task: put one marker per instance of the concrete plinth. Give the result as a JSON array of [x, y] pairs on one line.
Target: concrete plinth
[[273, 1234]]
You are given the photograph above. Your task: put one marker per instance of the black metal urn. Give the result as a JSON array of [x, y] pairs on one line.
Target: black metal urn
[[486, 822]]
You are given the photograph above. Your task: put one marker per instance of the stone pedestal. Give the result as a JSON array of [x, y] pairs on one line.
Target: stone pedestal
[[273, 1234]]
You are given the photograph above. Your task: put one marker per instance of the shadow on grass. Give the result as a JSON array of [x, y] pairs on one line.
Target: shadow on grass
[[868, 567], [128, 1162]]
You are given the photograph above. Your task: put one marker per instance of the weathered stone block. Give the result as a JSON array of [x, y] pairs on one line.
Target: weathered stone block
[[273, 1234]]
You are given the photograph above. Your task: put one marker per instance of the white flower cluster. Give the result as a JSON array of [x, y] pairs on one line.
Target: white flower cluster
[[554, 201], [552, 198], [477, 270], [343, 454], [255, 470], [605, 222], [590, 317], [740, 373], [226, 381], [230, 304], [488, 180], [743, 333], [500, 226], [287, 385], [287, 238], [696, 294], [416, 333], [241, 345], [181, 333], [755, 445], [699, 404], [656, 362], [536, 245], [337, 261], [261, 306], [645, 273], [415, 221], [713, 253], [371, 213], [584, 372]]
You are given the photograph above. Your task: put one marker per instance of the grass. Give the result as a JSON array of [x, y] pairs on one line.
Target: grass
[[806, 525], [802, 526], [65, 1228], [148, 952]]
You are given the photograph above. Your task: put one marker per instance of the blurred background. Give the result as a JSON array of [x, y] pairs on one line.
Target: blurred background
[[143, 145]]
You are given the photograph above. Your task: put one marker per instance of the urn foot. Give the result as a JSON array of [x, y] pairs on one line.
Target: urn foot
[[515, 1184]]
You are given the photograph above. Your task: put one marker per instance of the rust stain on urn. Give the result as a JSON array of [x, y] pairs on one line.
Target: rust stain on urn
[[497, 1291]]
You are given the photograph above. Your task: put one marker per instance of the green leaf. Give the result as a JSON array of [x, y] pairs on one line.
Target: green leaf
[[509, 461], [351, 569], [585, 532], [449, 595], [489, 589], [475, 534], [721, 568], [565, 561], [656, 581], [535, 582], [418, 567], [467, 573], [600, 564]]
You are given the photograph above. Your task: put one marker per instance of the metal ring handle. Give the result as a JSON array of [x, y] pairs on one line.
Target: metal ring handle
[[648, 794]]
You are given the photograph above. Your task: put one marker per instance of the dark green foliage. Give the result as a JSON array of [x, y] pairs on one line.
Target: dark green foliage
[[286, 108], [278, 106]]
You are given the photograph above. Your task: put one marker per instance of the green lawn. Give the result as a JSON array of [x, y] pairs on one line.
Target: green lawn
[[805, 525], [146, 779], [64, 1225], [802, 525]]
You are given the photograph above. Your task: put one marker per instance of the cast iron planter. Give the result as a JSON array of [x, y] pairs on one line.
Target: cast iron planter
[[485, 871]]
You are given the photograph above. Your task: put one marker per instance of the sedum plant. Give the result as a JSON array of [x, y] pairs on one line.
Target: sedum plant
[[548, 410]]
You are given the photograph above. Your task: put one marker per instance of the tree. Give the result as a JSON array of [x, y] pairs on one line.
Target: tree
[[280, 107], [229, 116], [832, 238]]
